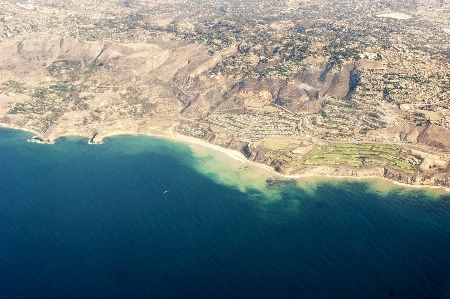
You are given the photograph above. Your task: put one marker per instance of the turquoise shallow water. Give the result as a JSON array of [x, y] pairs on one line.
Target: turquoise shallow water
[[82, 221]]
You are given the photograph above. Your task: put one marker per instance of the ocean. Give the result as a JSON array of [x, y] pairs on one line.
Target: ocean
[[144, 217]]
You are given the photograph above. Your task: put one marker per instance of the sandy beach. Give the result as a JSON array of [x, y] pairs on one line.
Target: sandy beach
[[239, 157]]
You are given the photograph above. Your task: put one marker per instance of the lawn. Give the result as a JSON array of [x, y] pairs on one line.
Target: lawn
[[355, 155]]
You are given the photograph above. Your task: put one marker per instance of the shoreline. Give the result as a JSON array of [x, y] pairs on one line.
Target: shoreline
[[2, 126], [233, 154]]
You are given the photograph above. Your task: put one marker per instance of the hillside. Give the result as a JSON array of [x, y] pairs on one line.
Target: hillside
[[289, 84]]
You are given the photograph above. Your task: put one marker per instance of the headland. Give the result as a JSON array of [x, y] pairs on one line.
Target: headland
[[335, 89]]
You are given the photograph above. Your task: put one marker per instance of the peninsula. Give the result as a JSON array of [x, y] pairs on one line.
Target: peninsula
[[329, 88]]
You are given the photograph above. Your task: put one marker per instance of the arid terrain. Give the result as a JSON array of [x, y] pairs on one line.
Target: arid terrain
[[337, 88]]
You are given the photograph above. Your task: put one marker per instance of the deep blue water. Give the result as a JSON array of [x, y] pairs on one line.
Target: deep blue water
[[81, 221]]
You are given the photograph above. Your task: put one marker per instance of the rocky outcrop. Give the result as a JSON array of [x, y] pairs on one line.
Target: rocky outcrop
[[418, 179], [400, 177]]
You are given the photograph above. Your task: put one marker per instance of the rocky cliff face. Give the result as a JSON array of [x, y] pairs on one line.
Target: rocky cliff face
[[419, 179]]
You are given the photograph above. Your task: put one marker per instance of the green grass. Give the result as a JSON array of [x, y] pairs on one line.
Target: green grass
[[285, 158], [356, 155], [270, 154], [345, 154]]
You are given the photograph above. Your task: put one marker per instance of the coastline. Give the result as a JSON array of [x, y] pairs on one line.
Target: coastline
[[233, 154], [2, 126]]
